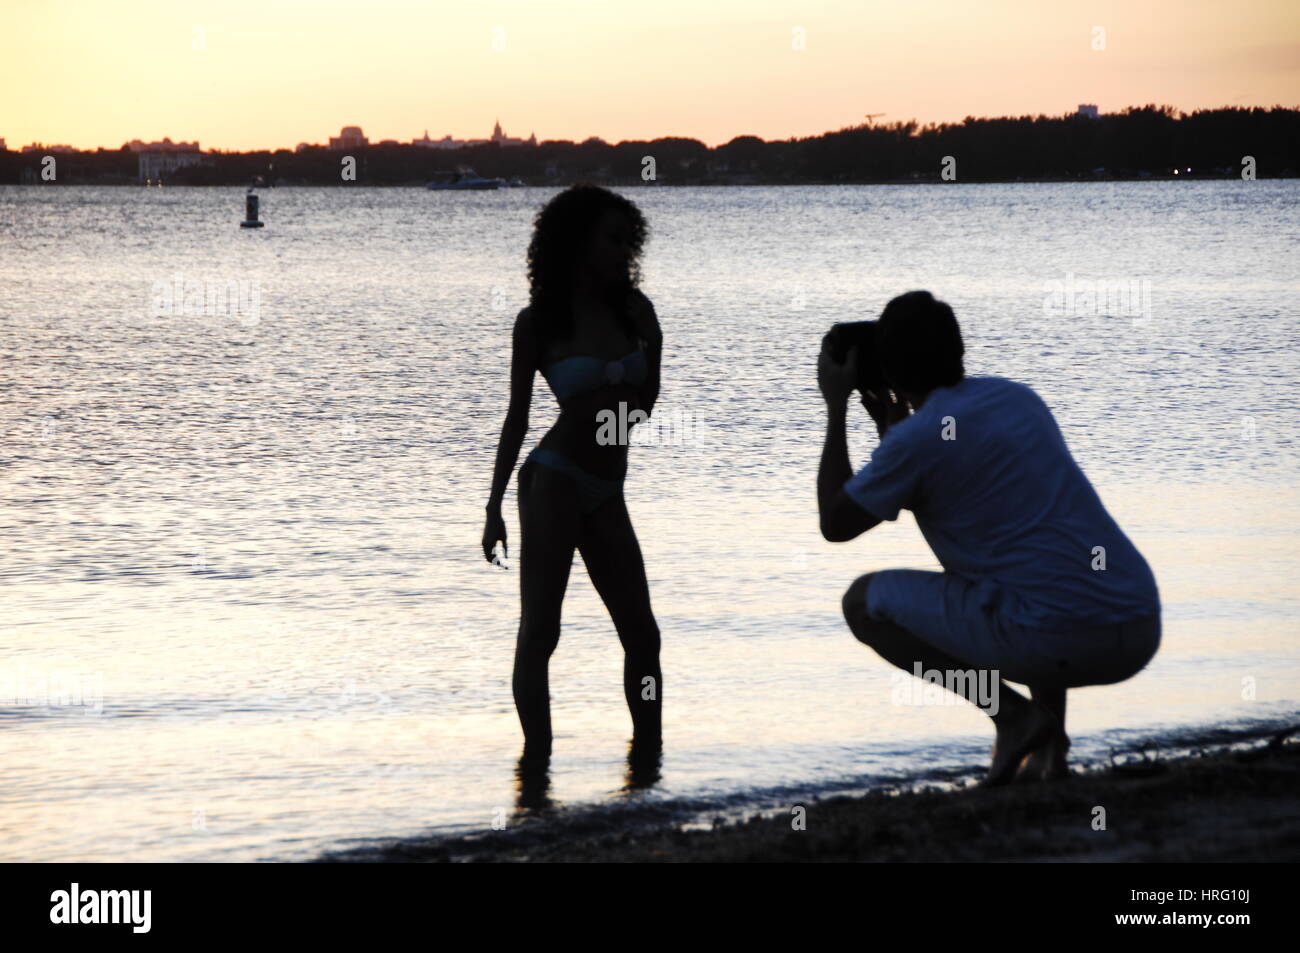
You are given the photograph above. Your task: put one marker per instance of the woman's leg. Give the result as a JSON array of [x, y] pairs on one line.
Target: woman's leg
[[548, 525], [612, 554]]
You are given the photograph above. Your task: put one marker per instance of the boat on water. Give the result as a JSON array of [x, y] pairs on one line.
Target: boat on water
[[461, 180]]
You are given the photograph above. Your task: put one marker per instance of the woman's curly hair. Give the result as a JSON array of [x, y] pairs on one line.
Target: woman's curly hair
[[560, 234]]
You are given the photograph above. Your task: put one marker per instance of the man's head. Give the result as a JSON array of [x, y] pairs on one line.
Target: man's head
[[919, 344]]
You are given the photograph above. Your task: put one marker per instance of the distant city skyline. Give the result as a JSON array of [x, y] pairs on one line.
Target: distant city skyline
[[352, 137], [241, 75], [348, 137]]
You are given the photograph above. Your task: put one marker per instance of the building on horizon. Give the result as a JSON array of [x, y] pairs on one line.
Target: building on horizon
[[43, 147], [350, 137], [498, 136], [1087, 111], [163, 145], [154, 160], [155, 166], [3, 147], [446, 142], [501, 139]]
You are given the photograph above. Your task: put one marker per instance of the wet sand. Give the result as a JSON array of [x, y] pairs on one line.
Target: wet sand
[[1237, 803]]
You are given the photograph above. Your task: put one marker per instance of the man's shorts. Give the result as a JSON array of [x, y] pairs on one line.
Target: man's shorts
[[952, 614]]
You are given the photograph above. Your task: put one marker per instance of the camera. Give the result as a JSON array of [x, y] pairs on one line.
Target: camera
[[867, 372]]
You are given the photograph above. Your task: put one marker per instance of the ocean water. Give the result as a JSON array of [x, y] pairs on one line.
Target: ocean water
[[244, 611]]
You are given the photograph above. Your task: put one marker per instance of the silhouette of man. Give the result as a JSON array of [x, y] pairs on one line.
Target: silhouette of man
[[1039, 584]]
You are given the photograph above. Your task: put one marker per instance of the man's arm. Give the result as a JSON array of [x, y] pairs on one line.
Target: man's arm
[[841, 518]]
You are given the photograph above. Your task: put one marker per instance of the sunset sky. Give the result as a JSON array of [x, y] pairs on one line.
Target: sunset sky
[[238, 74]]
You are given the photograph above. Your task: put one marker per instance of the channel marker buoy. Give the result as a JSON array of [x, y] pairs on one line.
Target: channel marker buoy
[[250, 211]]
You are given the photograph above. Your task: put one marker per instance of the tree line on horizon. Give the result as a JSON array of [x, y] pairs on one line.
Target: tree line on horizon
[[1145, 141]]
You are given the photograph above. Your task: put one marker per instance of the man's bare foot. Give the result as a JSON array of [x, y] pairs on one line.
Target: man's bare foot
[[1048, 763], [1017, 737]]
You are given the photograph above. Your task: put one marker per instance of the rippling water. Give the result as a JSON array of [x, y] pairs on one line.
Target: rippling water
[[244, 612]]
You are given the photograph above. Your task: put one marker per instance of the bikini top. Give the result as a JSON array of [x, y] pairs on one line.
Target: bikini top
[[581, 374]]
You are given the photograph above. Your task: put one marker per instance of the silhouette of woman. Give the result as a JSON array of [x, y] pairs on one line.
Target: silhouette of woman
[[595, 338]]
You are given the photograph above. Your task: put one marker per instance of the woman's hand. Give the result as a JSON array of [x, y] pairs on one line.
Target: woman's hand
[[494, 529]]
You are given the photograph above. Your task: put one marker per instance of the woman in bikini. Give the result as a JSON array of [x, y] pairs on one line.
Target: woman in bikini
[[595, 339]]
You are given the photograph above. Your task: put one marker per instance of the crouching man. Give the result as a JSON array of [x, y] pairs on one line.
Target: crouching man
[[1039, 584]]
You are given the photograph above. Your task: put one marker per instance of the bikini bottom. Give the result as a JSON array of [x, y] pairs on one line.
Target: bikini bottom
[[593, 491]]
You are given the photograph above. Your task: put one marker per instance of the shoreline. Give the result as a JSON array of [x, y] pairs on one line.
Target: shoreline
[[1219, 796]]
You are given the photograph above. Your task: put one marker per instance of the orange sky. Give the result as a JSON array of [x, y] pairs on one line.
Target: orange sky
[[240, 74]]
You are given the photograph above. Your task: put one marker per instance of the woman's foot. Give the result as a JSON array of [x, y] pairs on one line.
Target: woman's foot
[[644, 763], [536, 757], [533, 782], [1019, 734], [1048, 763]]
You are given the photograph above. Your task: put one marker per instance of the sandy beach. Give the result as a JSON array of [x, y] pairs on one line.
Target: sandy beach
[[1226, 800]]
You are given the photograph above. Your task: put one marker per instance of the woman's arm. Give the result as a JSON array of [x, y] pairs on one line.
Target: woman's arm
[[647, 324], [523, 364]]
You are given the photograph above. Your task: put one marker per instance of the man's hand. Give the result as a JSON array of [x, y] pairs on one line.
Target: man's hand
[[886, 409], [835, 380]]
